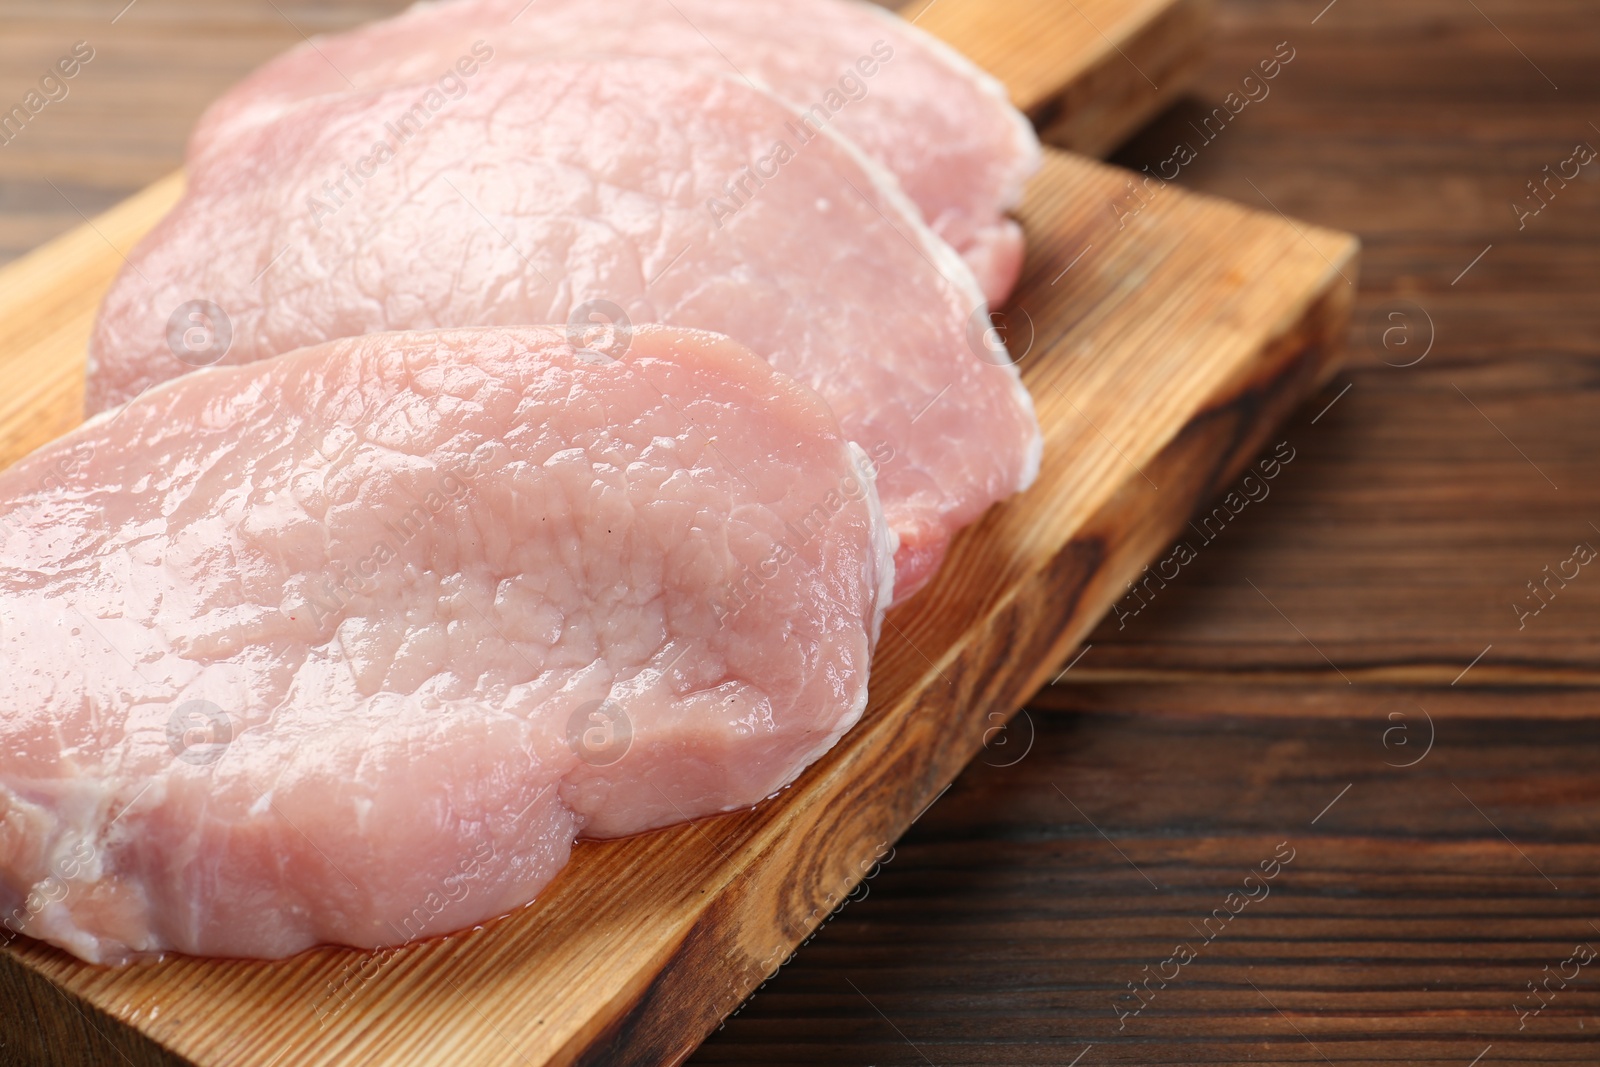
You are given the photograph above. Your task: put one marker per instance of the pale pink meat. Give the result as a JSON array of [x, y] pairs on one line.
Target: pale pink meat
[[553, 189], [942, 126], [333, 648]]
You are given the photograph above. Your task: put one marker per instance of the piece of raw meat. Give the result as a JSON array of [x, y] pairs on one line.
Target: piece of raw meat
[[945, 128], [349, 645], [562, 191]]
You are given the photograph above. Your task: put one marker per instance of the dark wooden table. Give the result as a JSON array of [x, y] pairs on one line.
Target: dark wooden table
[[1340, 689]]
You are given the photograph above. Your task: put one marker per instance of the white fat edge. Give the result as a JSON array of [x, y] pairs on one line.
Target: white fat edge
[[1035, 454], [958, 272], [14, 886], [53, 924], [78, 818], [1030, 154], [885, 543], [103, 824], [879, 565], [947, 262]]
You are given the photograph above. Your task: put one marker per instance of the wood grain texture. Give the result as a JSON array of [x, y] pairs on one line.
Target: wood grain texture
[[642, 946], [1208, 727], [1419, 509], [1160, 357], [1394, 541], [1405, 930], [1131, 59], [126, 118]]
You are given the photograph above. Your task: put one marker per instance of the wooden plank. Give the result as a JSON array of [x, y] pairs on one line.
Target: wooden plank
[[1294, 696], [1130, 58], [1412, 124], [1163, 354], [1403, 932], [1411, 523], [1005, 923]]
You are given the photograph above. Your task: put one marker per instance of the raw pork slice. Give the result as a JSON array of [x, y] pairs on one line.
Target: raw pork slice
[[945, 128], [575, 191], [349, 645]]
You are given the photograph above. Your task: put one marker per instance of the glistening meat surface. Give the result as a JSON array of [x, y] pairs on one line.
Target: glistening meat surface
[[347, 646], [555, 188], [945, 129]]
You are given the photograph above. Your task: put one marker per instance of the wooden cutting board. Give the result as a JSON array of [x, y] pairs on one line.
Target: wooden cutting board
[[1163, 336]]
